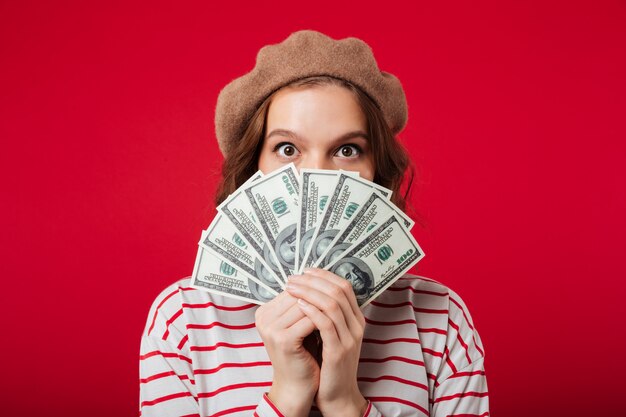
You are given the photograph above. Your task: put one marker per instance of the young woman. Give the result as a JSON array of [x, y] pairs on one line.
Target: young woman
[[319, 103]]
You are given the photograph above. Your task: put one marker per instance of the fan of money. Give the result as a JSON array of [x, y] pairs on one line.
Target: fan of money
[[276, 225]]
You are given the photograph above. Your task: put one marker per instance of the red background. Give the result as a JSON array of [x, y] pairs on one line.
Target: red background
[[109, 164]]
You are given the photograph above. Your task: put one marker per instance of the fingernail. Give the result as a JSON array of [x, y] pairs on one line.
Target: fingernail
[[302, 302]]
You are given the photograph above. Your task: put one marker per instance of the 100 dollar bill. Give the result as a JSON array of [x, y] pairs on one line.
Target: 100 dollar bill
[[238, 208], [212, 274], [380, 258], [274, 199], [374, 211], [315, 187], [223, 239], [349, 194]]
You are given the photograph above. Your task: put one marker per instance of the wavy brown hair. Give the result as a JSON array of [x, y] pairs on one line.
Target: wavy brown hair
[[391, 161]]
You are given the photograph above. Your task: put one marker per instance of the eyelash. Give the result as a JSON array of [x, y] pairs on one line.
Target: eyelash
[[356, 148], [281, 144]]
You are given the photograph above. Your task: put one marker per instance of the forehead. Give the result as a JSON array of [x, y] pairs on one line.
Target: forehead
[[316, 107]]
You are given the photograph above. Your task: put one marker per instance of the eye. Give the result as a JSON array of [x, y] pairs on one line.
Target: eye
[[348, 151], [286, 150]]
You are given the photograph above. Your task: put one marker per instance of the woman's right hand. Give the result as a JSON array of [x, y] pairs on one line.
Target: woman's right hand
[[283, 327]]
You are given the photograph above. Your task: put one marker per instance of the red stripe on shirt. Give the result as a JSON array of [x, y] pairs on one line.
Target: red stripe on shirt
[[219, 307], [156, 376], [401, 401], [166, 398], [396, 340], [234, 387], [191, 415], [234, 410], [431, 330], [231, 365], [462, 374], [462, 311], [391, 358], [218, 324], [183, 341], [271, 404], [416, 291], [432, 352], [393, 378], [164, 375], [478, 348], [461, 395], [408, 303], [449, 361], [225, 344], [390, 323], [156, 311], [469, 323], [460, 339], [170, 321], [165, 355], [429, 310]]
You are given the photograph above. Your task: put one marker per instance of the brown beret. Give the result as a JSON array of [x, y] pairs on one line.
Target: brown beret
[[305, 54]]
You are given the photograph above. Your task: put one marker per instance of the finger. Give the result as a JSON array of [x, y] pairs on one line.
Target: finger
[[289, 317], [323, 323], [338, 289], [303, 327], [280, 312], [334, 309], [342, 282], [279, 304]]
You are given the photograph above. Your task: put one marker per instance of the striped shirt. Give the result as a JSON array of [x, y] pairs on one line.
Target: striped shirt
[[201, 355]]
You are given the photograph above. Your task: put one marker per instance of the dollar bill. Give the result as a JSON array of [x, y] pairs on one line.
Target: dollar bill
[[238, 209], [374, 211], [223, 239], [349, 194], [316, 185], [377, 260], [212, 274], [274, 199]]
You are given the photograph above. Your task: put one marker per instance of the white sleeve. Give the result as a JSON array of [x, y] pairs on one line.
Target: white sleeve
[[461, 387], [166, 380]]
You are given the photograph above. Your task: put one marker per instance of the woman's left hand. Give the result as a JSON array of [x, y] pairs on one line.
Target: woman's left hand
[[329, 302]]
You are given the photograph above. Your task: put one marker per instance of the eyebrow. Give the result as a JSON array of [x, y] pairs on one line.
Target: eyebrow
[[344, 137]]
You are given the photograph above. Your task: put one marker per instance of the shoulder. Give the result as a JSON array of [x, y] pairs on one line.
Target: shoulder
[[425, 292], [418, 287], [167, 304], [444, 323], [178, 303]]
